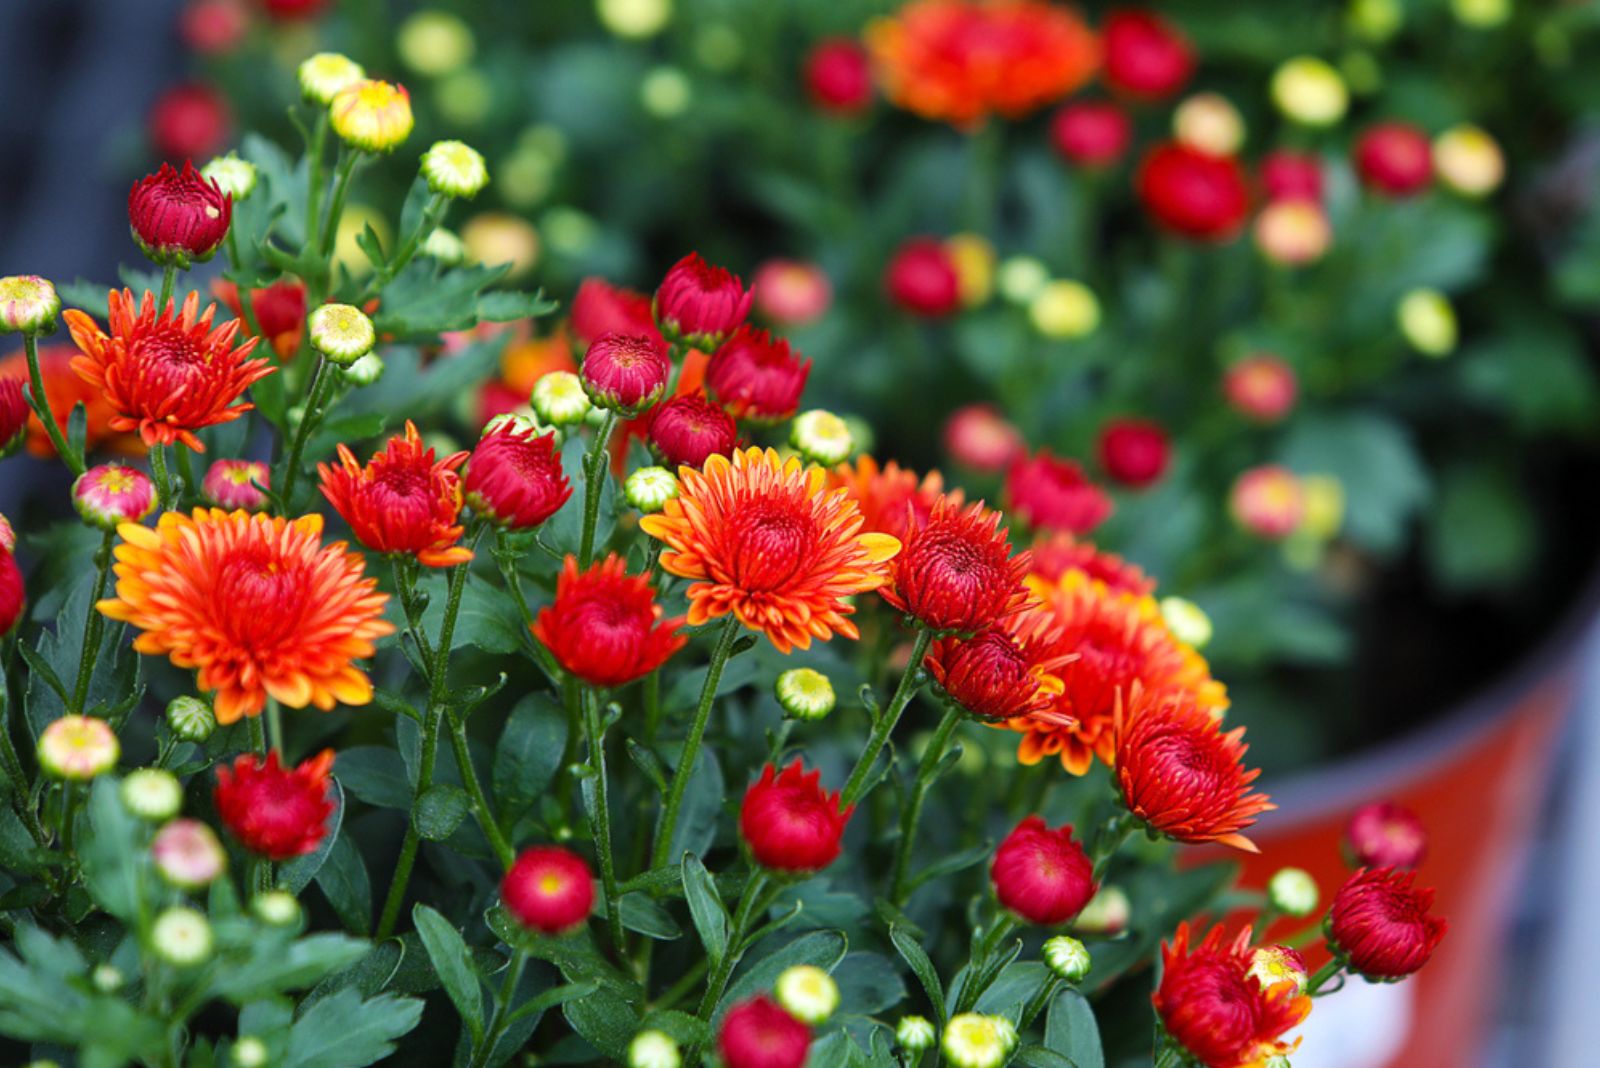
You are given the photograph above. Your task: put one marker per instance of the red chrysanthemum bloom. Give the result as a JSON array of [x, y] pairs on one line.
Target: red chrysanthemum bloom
[[688, 430], [515, 478], [273, 811], [13, 595], [64, 391], [178, 216], [190, 122], [1181, 774], [231, 484], [403, 501], [1009, 671], [960, 61], [1056, 554], [838, 76], [1042, 875], [213, 27], [1381, 923], [790, 822], [165, 375], [285, 10], [759, 1033], [979, 437], [1145, 55], [699, 303], [605, 626], [626, 372], [757, 376], [1134, 452], [1119, 640], [1193, 193], [1261, 387], [1384, 834], [600, 308], [1219, 1012], [791, 292], [1290, 175], [280, 311], [548, 889], [14, 412], [1047, 492], [767, 542], [1394, 158], [955, 573], [922, 278], [257, 604], [892, 499], [1091, 133]]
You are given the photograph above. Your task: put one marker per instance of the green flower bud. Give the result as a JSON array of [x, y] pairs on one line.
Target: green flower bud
[[234, 176], [1064, 309], [78, 748], [653, 1049], [650, 488], [821, 437], [559, 399], [1187, 620], [1021, 277], [973, 1040], [805, 694], [28, 305], [914, 1033], [635, 19], [365, 371], [181, 936], [1067, 958], [276, 908], [325, 74], [1307, 90], [107, 978], [808, 993], [666, 92], [248, 1052], [454, 169], [191, 719], [1293, 892], [1106, 913], [435, 43], [152, 794], [445, 246], [342, 333], [1428, 322]]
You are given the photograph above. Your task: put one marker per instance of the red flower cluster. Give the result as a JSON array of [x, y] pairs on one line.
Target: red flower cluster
[[1192, 192], [548, 889], [759, 1033], [1056, 554], [600, 308], [789, 822], [1042, 875], [891, 498], [1220, 1013], [755, 376], [700, 304], [515, 478], [178, 216], [64, 390], [955, 573], [273, 811], [1006, 672], [604, 625], [403, 501], [1381, 923], [1047, 492], [1146, 57]]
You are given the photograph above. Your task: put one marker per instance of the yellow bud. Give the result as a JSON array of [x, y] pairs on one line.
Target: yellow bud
[[1065, 309], [1469, 161], [974, 260], [1309, 91], [1210, 123], [1428, 322]]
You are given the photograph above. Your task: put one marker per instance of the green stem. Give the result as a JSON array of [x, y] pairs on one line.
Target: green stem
[[723, 969], [978, 979], [19, 779], [1109, 840], [909, 683], [405, 587], [344, 171], [502, 1005], [432, 214], [667, 824], [258, 736], [480, 803], [316, 150], [600, 819], [595, 467], [41, 405], [1037, 1003], [297, 444], [247, 308], [93, 626], [163, 477], [1324, 975], [911, 814], [275, 728], [169, 275]]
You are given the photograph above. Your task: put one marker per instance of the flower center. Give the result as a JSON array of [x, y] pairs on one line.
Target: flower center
[[771, 544]]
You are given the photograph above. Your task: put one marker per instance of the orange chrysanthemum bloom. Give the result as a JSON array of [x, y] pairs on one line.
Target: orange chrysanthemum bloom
[[1119, 639], [165, 375], [890, 497], [1217, 1010], [403, 501], [257, 604], [959, 61], [766, 541], [65, 391], [1057, 553], [1011, 670]]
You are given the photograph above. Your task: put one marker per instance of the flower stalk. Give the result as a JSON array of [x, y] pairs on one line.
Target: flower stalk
[[910, 682], [667, 824], [911, 814]]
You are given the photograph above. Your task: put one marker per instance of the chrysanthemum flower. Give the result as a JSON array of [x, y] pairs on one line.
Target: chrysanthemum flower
[[1042, 875], [178, 216], [1193, 193], [257, 604], [1091, 133], [791, 292], [688, 430], [1274, 964], [14, 412], [1005, 673], [605, 626], [922, 278], [274, 811], [891, 498], [403, 501], [165, 375], [789, 822], [955, 573], [1057, 553], [454, 169], [700, 303], [1181, 774], [1261, 387], [109, 495], [515, 478], [280, 311], [1381, 922], [756, 376], [231, 484], [1118, 640], [626, 372], [767, 542], [600, 308], [1212, 1006], [548, 889], [374, 116], [838, 76], [1394, 158], [759, 1033], [979, 437], [77, 748], [1268, 501], [1050, 493], [1146, 56], [1134, 452], [1384, 834], [959, 61], [64, 391], [325, 74]]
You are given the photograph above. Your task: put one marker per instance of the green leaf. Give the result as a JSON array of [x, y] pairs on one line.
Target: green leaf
[[296, 875], [1013, 988], [506, 306], [112, 857], [275, 966], [488, 618], [1480, 533], [606, 1020], [705, 907], [440, 811], [1040, 1057], [528, 754], [913, 954], [344, 882], [1070, 1030], [453, 964], [823, 949], [425, 299], [375, 774], [1385, 482], [641, 913], [869, 983], [343, 1031]]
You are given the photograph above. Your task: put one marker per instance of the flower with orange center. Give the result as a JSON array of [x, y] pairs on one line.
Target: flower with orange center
[[766, 541], [959, 61], [1008, 671], [1221, 1013], [64, 391], [955, 573], [257, 604], [1119, 640], [1057, 553], [1181, 774], [403, 501], [165, 375], [891, 498]]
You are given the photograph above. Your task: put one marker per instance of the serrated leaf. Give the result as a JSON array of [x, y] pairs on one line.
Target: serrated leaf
[[274, 966], [453, 964], [343, 1031]]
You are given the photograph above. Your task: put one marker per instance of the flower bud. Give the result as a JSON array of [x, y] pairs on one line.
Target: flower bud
[[1324, 506], [327, 74], [1293, 232], [365, 371], [1309, 91], [821, 437], [914, 1033], [1106, 913], [276, 908], [178, 217], [805, 694], [1067, 958], [972, 1040], [808, 993], [1384, 834], [342, 333], [1469, 161], [1091, 133], [1209, 122], [791, 292], [234, 176], [111, 494], [838, 76], [700, 303], [435, 43], [107, 978], [232, 484], [1187, 621], [1268, 501], [454, 169], [181, 936], [922, 278], [190, 719], [373, 116], [1481, 14], [979, 437], [78, 748], [666, 92], [686, 430], [1376, 20], [188, 854], [152, 794], [1394, 159], [654, 1049], [1293, 892], [1262, 387], [248, 1052], [1273, 964], [28, 305], [1134, 452], [1427, 322], [1020, 278], [650, 488], [445, 246], [1064, 309], [974, 261], [634, 19], [559, 399], [626, 373], [549, 890], [1042, 875]]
